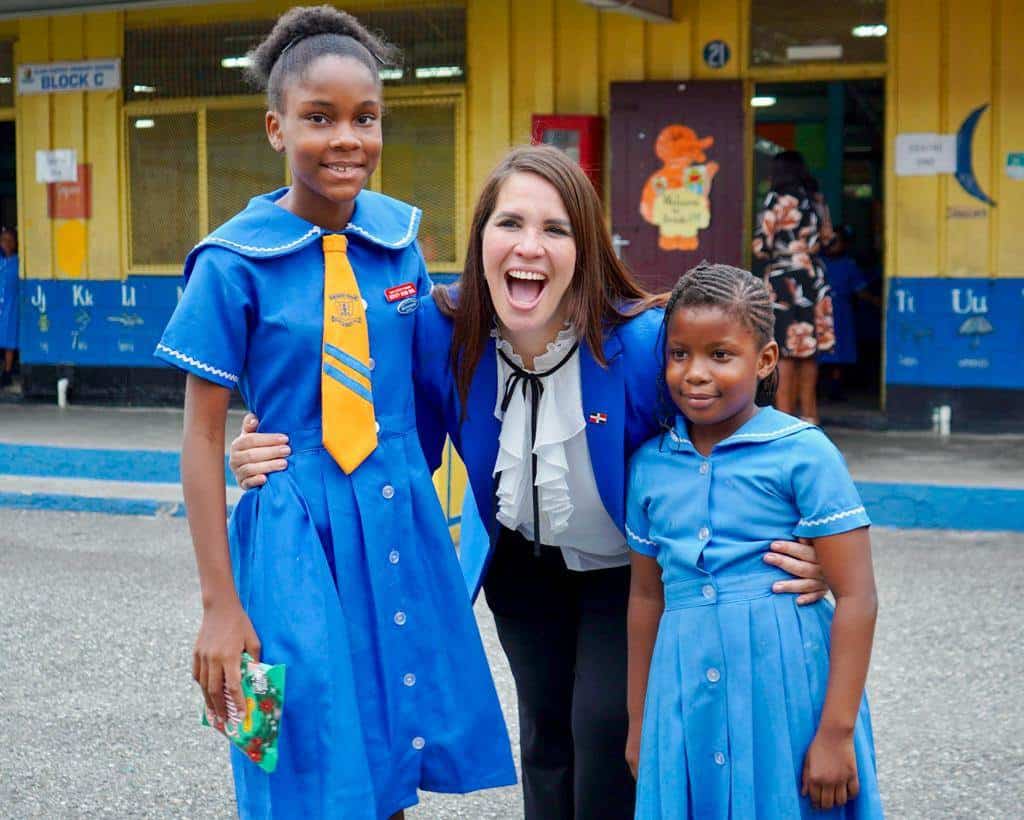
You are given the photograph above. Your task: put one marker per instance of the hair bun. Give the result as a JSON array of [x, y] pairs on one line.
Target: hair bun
[[301, 22]]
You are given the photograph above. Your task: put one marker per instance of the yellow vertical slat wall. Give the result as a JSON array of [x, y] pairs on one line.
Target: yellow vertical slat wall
[[946, 59], [558, 57], [85, 122], [1008, 124]]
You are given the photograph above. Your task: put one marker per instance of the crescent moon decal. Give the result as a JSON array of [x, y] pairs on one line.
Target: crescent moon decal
[[964, 160]]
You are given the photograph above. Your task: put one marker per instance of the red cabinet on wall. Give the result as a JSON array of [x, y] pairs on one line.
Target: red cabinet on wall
[[580, 136]]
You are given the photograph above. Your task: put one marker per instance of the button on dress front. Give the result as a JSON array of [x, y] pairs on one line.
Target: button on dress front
[[388, 688], [738, 674]]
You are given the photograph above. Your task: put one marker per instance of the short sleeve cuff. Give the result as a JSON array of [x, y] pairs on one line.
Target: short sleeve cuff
[[637, 543], [833, 523], [205, 370]]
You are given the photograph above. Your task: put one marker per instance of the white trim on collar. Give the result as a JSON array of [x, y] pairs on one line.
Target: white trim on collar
[[409, 231], [314, 231]]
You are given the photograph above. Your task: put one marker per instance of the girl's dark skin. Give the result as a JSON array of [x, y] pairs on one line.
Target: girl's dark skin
[[713, 364]]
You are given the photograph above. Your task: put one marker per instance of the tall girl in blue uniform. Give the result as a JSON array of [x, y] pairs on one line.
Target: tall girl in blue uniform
[[742, 704], [340, 568], [541, 365]]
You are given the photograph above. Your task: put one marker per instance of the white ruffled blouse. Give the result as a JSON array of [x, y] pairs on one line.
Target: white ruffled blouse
[[572, 515]]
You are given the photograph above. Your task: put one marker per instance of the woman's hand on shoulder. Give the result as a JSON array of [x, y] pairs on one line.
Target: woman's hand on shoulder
[[800, 560], [253, 454]]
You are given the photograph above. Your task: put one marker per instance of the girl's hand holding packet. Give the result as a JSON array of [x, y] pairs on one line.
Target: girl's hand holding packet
[[254, 732]]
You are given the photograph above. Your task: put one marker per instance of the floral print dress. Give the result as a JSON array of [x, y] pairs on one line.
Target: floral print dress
[[787, 236]]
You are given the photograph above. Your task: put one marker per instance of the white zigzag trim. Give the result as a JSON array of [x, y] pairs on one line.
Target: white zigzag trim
[[177, 354], [675, 437], [257, 249], [828, 519], [399, 243], [778, 432], [636, 537]]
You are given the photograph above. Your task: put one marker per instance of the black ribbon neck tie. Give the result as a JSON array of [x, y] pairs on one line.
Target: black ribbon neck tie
[[531, 382]]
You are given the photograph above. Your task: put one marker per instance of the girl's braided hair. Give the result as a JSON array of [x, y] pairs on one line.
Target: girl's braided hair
[[304, 34], [739, 293]]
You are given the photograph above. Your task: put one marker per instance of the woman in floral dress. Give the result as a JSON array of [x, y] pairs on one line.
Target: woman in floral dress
[[788, 236]]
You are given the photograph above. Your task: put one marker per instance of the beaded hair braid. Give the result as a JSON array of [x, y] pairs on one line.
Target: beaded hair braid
[[738, 292], [304, 34]]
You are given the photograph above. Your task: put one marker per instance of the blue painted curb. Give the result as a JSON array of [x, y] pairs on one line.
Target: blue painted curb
[[90, 504], [908, 506], [913, 506], [927, 506], [147, 466]]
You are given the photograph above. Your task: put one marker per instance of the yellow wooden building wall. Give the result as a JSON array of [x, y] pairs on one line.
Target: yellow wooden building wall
[[946, 58]]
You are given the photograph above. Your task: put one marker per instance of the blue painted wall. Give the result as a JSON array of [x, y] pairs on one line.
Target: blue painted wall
[[956, 333], [95, 322]]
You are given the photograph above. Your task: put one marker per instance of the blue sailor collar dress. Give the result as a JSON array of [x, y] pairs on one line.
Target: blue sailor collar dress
[[350, 580], [738, 674]]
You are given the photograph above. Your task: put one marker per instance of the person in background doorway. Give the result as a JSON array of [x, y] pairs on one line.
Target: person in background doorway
[[9, 287], [788, 237], [847, 285]]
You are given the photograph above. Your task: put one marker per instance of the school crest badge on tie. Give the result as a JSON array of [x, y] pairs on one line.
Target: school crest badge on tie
[[344, 309]]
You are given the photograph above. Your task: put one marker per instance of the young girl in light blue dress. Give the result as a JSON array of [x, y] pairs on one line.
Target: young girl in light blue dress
[[741, 703], [341, 568]]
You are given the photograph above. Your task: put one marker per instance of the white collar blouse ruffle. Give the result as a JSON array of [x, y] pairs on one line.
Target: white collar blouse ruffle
[[559, 419]]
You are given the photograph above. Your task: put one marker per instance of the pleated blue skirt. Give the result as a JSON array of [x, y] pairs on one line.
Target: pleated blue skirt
[[352, 582], [736, 688]]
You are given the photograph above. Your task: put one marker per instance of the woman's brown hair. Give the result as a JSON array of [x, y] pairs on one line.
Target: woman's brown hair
[[602, 294]]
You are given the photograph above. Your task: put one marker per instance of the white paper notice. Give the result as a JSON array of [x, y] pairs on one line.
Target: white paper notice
[[925, 154], [57, 166]]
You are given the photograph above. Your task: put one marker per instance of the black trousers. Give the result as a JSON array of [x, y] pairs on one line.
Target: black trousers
[[564, 633]]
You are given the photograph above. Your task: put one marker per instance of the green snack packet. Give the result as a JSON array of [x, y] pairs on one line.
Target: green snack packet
[[255, 732]]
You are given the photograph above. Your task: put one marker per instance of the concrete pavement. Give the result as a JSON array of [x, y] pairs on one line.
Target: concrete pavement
[[99, 715]]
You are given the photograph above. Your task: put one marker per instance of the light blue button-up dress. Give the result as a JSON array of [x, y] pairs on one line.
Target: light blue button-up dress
[[738, 674], [351, 581]]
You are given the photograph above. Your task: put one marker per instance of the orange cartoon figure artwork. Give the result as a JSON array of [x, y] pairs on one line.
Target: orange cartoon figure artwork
[[676, 197]]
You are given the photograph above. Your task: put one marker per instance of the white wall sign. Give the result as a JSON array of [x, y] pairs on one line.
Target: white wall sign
[[54, 78], [1015, 165], [925, 154], [57, 166]]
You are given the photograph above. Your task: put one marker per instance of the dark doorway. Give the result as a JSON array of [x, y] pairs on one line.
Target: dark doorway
[[8, 178], [839, 127]]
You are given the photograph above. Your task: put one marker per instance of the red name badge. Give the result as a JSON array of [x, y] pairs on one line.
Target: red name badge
[[402, 291]]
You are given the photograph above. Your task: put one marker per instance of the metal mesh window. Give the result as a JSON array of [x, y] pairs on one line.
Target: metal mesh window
[[790, 32], [6, 74], [418, 166], [240, 162], [189, 61], [197, 70], [208, 60], [164, 185]]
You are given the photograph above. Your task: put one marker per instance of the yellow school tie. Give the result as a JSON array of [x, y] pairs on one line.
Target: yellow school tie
[[346, 392]]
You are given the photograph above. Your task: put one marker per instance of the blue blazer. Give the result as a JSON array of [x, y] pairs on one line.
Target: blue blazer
[[626, 392]]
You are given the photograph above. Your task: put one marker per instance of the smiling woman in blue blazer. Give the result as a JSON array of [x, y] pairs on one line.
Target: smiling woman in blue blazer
[[542, 366]]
